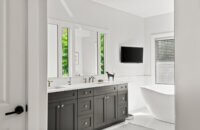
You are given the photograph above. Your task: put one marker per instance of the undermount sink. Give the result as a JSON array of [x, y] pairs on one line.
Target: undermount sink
[[101, 82], [57, 87]]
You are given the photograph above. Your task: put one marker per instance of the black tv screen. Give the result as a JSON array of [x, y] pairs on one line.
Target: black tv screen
[[131, 54]]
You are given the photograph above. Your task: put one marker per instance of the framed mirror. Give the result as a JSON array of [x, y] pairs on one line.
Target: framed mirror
[[75, 50], [85, 52]]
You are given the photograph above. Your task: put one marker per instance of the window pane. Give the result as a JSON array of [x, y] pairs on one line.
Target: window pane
[[65, 54], [165, 55], [165, 50], [102, 41]]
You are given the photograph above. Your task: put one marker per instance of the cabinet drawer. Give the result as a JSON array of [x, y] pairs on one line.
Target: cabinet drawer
[[123, 87], [85, 93], [66, 95], [122, 112], [123, 99], [85, 122], [104, 90], [85, 106]]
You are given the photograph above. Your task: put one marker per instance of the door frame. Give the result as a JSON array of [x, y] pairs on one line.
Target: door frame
[[36, 65]]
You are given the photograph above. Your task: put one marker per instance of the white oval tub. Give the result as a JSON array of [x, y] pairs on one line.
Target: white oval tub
[[160, 101]]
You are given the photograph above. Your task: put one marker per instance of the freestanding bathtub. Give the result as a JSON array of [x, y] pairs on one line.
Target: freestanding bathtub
[[160, 101]]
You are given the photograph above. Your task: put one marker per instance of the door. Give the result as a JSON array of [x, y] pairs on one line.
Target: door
[[68, 115], [53, 116], [99, 111], [12, 63], [111, 108]]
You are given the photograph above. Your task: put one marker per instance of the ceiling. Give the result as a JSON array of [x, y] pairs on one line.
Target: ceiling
[[142, 8]]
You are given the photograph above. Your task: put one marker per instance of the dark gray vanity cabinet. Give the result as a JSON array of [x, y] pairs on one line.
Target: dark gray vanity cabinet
[[53, 119], [105, 106], [105, 109], [62, 111], [85, 109], [122, 101], [111, 108], [99, 111], [88, 109], [68, 115]]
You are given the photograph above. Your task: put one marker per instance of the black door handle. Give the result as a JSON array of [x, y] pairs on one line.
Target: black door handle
[[18, 110]]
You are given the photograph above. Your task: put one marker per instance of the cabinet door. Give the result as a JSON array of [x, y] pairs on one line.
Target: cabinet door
[[111, 108], [53, 116], [68, 115], [99, 111]]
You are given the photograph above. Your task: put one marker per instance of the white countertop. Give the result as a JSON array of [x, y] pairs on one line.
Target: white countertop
[[81, 86]]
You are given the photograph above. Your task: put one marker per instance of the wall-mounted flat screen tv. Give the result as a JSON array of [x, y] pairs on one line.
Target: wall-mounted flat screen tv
[[131, 54]]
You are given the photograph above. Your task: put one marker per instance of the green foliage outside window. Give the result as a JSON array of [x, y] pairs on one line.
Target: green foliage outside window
[[65, 54], [102, 41]]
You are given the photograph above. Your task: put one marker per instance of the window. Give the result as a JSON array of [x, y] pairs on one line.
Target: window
[[65, 52], [102, 43], [164, 61]]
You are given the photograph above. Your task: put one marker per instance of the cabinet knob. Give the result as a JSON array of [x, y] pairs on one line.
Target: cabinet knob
[[86, 106], [108, 97], [123, 98], [123, 112], [58, 106], [86, 92], [62, 105], [85, 123]]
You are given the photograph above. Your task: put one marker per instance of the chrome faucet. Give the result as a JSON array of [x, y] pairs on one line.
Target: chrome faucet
[[49, 83], [69, 82], [91, 78]]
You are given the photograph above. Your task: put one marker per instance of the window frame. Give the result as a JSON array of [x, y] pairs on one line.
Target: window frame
[[161, 36]]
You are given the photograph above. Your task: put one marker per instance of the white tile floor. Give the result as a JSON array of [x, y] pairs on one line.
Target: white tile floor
[[145, 120]]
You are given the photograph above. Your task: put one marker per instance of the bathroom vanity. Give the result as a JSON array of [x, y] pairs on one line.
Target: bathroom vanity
[[90, 107]]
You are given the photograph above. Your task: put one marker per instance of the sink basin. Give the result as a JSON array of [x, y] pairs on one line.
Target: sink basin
[[101, 82], [57, 87]]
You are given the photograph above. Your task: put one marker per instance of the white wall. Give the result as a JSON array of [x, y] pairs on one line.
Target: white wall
[[187, 70], [155, 25]]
